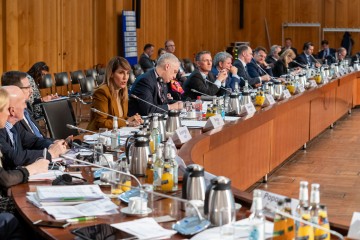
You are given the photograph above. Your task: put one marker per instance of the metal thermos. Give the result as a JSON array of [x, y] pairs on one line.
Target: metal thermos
[[194, 183], [137, 154], [234, 103], [161, 125], [173, 121], [219, 201]]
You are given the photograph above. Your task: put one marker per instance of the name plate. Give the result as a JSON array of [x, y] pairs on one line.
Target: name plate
[[182, 135], [312, 83], [270, 199], [250, 108], [269, 99], [354, 230], [338, 74], [342, 71], [286, 94], [301, 88], [214, 122], [351, 69]]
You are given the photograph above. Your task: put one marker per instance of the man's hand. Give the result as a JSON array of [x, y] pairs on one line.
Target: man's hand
[[57, 148], [40, 166]]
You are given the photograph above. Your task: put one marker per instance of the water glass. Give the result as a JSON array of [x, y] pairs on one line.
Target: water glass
[[227, 218]]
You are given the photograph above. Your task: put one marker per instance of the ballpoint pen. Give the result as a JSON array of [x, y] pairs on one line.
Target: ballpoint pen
[[80, 219], [44, 153]]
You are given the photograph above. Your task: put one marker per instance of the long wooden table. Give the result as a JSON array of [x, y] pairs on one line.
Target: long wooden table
[[245, 150]]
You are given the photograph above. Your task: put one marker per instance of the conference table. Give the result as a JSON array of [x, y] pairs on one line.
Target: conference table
[[245, 150]]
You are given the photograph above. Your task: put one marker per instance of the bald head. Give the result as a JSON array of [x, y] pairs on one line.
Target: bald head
[[16, 104]]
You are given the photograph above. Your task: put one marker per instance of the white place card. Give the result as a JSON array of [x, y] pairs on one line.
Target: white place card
[[313, 83], [338, 74], [269, 99], [300, 88], [354, 230], [214, 122], [286, 94], [181, 135], [270, 199], [351, 69], [250, 108]]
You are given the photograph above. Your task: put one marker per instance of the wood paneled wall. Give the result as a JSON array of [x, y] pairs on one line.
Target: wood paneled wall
[[78, 34]]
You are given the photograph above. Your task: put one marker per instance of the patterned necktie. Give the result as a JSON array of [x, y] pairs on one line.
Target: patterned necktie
[[161, 92], [33, 127], [15, 134]]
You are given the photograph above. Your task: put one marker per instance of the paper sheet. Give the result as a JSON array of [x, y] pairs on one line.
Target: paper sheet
[[59, 193], [354, 230], [144, 228], [50, 175]]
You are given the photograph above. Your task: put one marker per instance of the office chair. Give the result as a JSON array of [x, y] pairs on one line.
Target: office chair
[[137, 70], [57, 114], [62, 80], [87, 86], [188, 65], [76, 77]]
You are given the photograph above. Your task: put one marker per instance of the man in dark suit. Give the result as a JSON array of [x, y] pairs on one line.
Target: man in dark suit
[[257, 67], [306, 58], [151, 87], [245, 56], [222, 61], [326, 51], [145, 60], [202, 79], [19, 147], [273, 55], [288, 45]]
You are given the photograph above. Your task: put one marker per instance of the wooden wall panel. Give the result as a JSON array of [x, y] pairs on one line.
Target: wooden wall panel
[[88, 31]]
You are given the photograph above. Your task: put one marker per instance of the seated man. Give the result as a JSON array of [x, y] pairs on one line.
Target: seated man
[[306, 58], [222, 61], [145, 59], [245, 56], [151, 87], [19, 147], [340, 56], [288, 45], [19, 79], [257, 67], [273, 56], [202, 79], [326, 51]]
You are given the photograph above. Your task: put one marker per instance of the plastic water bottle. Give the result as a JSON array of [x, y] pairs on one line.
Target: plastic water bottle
[[198, 108]]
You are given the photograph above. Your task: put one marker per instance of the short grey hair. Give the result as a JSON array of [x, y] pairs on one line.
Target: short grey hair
[[167, 58], [199, 54], [273, 48], [221, 57]]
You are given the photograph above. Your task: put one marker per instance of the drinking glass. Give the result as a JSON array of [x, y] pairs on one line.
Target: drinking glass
[[102, 135], [227, 218]]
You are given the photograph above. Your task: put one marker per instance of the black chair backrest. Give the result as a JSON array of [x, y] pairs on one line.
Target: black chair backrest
[[76, 76], [87, 85], [46, 81], [91, 73], [100, 79], [61, 79], [57, 114], [131, 78], [101, 71], [188, 65], [137, 70]]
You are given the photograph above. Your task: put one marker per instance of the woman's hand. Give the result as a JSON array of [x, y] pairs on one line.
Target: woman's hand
[[135, 120]]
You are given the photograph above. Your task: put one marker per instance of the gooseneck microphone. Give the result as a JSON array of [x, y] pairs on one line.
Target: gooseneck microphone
[[80, 129], [241, 78], [263, 70], [106, 114], [196, 91], [136, 97], [91, 150], [301, 65], [315, 59], [217, 85]]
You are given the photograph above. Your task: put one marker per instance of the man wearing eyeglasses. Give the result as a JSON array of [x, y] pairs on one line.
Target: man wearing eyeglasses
[[202, 81], [170, 48], [257, 67]]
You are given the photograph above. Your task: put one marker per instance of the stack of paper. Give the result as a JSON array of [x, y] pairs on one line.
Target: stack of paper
[[50, 175], [145, 228], [93, 208], [69, 193]]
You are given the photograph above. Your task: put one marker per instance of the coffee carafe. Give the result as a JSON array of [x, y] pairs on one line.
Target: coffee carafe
[[219, 201], [137, 153], [278, 90], [194, 183], [234, 103], [173, 121]]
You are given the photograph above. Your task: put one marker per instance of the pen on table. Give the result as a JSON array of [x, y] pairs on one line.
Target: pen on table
[[44, 153], [80, 219]]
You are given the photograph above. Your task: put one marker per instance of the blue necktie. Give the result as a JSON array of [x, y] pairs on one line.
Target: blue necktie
[[15, 134], [32, 125]]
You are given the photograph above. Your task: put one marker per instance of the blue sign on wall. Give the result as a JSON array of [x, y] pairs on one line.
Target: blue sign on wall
[[129, 36]]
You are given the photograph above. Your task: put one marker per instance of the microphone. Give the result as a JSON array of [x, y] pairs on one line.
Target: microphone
[[217, 85], [75, 144], [136, 97], [114, 117], [196, 91], [273, 78], [315, 59], [195, 226], [246, 82], [272, 209], [85, 130], [301, 65]]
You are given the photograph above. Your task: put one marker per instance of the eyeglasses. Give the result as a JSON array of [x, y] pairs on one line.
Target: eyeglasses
[[170, 46], [28, 87]]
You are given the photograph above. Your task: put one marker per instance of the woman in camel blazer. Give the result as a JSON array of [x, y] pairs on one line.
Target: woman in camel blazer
[[112, 97]]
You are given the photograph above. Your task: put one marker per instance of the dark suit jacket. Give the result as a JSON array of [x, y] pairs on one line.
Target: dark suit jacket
[[146, 88], [279, 68], [105, 102], [197, 82], [29, 148], [245, 75], [301, 58], [321, 53], [270, 60], [145, 62], [27, 127], [230, 81], [255, 71]]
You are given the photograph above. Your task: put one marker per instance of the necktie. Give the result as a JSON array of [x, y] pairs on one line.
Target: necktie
[[33, 127], [161, 92], [308, 59], [15, 134]]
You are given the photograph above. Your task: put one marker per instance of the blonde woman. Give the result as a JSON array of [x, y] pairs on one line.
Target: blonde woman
[[281, 66], [112, 97]]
